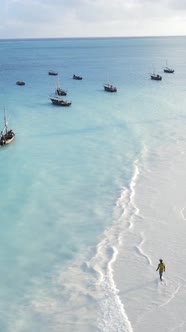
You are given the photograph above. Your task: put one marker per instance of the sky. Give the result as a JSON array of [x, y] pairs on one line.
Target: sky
[[91, 18]]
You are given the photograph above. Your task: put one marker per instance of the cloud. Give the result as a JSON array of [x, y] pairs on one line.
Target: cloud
[[62, 18]]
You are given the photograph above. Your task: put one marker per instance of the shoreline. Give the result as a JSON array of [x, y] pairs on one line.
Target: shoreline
[[157, 231]]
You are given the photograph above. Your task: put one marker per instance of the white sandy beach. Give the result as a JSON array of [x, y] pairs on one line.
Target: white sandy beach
[[156, 229]]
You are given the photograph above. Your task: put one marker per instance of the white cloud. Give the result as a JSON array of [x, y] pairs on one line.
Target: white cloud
[[62, 18]]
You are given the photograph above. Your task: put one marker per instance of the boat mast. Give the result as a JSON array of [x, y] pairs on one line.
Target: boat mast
[[5, 129]]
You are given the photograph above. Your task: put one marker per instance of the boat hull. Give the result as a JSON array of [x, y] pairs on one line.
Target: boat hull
[[169, 71], [20, 83], [52, 73], [156, 77], [110, 88], [60, 102], [6, 140], [79, 78]]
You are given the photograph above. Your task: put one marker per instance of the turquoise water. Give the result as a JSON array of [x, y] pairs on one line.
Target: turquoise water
[[62, 176]]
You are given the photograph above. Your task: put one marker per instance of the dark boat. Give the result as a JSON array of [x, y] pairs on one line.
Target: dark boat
[[75, 77], [156, 77], [59, 101], [53, 73], [60, 92], [20, 83], [6, 136], [110, 88]]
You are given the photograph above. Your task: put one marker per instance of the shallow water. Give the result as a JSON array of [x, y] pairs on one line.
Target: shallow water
[[69, 174]]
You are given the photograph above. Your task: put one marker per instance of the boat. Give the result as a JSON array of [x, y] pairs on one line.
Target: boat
[[59, 101], [110, 88], [75, 77], [167, 69], [6, 136], [20, 83], [51, 72], [60, 92], [156, 77]]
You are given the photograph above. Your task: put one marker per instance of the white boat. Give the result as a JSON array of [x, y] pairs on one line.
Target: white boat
[[6, 136], [168, 70]]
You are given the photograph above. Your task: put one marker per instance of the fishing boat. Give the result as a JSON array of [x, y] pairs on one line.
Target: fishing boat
[[75, 77], [156, 77], [20, 83], [110, 88], [52, 72], [168, 70], [60, 92], [59, 101], [6, 136]]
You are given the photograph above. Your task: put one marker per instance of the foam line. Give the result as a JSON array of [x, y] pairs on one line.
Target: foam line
[[141, 251], [183, 214], [114, 317]]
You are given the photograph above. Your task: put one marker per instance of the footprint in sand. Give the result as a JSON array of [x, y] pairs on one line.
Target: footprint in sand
[[168, 289]]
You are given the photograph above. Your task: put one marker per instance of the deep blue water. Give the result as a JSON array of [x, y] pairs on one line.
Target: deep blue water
[[67, 167]]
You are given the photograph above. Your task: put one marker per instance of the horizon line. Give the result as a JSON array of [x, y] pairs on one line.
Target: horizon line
[[91, 37]]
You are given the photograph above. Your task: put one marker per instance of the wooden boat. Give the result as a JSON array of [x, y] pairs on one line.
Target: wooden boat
[[60, 102], [110, 88], [60, 92], [51, 72], [20, 83], [168, 69], [6, 136], [75, 77], [156, 77]]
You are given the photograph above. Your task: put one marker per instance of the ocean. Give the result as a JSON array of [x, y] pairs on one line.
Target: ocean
[[69, 176]]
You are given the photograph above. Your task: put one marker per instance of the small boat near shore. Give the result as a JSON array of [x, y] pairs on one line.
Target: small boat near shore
[[110, 88], [59, 101], [75, 77], [6, 136]]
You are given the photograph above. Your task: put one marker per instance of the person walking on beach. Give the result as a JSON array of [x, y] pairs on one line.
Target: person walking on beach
[[161, 268]]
